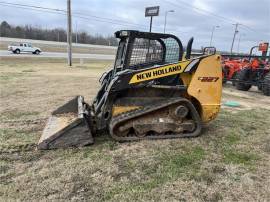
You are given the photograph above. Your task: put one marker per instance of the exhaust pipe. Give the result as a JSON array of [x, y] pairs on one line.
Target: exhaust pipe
[[68, 126]]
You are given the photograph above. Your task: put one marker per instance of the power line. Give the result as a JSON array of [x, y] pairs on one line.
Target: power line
[[54, 12], [62, 10], [79, 15], [88, 17], [38, 7], [200, 10], [75, 14], [209, 13], [93, 16]]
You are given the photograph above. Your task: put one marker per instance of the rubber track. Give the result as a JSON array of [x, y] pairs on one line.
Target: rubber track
[[148, 109]]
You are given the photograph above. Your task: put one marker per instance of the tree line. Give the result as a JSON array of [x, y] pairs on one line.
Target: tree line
[[57, 34]]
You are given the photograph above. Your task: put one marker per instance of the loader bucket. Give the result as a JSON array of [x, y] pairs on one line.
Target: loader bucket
[[67, 127]]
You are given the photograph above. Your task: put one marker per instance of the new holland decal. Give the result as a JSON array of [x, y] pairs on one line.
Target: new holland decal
[[159, 72]]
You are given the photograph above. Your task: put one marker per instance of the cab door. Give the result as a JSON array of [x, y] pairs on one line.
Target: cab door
[[24, 48], [28, 47]]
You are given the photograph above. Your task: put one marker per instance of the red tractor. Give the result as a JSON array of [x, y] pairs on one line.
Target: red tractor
[[257, 73], [230, 67]]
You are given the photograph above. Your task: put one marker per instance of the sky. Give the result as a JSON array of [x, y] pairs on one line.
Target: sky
[[192, 18]]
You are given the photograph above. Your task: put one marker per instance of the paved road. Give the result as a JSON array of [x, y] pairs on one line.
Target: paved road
[[37, 42], [4, 53]]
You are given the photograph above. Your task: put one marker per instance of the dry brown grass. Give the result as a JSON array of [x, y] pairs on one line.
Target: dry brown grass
[[229, 162]]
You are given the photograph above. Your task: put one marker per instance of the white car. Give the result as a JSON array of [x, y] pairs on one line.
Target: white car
[[24, 47]]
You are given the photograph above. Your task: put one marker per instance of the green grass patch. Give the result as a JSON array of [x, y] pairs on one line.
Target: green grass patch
[[238, 157], [28, 70], [29, 61], [174, 164], [9, 76], [12, 140], [236, 132], [245, 122], [232, 138], [167, 167]]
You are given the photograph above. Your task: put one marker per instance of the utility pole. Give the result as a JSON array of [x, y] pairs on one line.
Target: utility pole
[[166, 13], [235, 32], [69, 34], [212, 34], [76, 32], [238, 45]]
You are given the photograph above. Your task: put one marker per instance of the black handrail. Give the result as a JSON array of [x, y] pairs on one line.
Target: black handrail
[[189, 48]]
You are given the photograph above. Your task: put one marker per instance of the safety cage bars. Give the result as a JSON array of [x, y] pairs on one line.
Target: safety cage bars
[[145, 52], [146, 49]]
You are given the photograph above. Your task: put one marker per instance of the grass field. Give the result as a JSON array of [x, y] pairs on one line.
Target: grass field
[[229, 162]]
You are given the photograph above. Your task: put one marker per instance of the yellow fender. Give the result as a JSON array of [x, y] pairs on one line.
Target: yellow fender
[[206, 87]]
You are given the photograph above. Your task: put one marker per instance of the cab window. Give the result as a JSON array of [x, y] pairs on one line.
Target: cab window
[[120, 56], [146, 52]]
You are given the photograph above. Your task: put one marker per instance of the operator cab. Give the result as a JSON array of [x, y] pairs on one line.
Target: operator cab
[[137, 50]]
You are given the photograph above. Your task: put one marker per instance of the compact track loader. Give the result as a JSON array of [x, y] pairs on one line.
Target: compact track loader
[[154, 91]]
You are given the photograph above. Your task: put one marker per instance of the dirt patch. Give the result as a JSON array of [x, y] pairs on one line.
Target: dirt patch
[[252, 99]]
